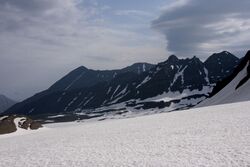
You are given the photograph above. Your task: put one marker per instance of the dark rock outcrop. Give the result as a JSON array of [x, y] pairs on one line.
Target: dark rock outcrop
[[8, 124]]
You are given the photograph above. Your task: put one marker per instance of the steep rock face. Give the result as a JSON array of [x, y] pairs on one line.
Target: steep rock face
[[174, 83], [220, 65], [171, 76], [234, 88], [246, 62], [221, 84], [5, 103]]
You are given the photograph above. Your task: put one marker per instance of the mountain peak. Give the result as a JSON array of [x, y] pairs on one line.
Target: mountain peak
[[223, 54], [172, 58], [83, 68], [195, 58], [226, 52]]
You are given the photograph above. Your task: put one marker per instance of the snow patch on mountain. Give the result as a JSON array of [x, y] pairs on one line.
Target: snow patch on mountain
[[122, 92], [179, 74], [148, 78], [143, 67], [110, 88], [168, 96], [206, 72], [117, 88], [91, 98]]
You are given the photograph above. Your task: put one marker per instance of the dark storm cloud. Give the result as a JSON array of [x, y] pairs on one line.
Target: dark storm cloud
[[200, 26]]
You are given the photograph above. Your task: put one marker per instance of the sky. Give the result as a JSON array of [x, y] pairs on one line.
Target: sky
[[42, 40]]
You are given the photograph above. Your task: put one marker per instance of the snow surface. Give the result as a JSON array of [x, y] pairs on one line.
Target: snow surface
[[209, 136]]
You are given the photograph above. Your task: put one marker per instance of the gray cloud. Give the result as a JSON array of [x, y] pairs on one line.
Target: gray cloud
[[31, 5], [133, 13], [202, 26], [42, 40]]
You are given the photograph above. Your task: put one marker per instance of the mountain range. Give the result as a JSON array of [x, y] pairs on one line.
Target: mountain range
[[5, 103], [170, 85], [213, 135]]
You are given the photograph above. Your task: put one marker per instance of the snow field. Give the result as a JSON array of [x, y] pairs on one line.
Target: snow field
[[209, 136]]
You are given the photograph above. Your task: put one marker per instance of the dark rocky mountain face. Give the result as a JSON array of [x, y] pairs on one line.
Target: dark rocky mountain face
[[173, 84], [83, 77], [220, 65], [234, 88], [221, 84], [137, 68], [174, 75]]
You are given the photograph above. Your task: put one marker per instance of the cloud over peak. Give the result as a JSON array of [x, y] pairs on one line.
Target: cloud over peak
[[201, 26]]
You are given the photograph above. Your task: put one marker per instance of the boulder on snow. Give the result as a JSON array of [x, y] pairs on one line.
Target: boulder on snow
[[11, 123], [7, 124]]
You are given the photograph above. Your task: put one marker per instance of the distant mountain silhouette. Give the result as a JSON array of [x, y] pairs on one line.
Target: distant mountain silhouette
[[172, 84], [5, 103]]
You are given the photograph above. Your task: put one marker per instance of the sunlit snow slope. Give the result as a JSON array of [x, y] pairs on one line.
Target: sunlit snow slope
[[209, 136]]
